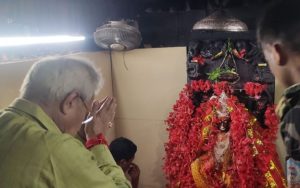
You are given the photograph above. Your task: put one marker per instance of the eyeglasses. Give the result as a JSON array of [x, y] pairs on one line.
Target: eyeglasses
[[88, 117]]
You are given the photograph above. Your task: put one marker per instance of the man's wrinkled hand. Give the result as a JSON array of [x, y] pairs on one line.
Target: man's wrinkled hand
[[103, 113]]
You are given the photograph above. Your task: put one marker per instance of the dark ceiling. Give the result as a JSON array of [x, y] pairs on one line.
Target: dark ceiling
[[162, 22]]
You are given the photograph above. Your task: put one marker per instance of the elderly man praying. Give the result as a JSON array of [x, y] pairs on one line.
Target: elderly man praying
[[37, 143]]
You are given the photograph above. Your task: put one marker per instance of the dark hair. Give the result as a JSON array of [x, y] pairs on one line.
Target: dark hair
[[122, 148], [281, 21]]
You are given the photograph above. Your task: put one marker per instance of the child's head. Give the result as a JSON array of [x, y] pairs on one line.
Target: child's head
[[123, 150], [279, 34]]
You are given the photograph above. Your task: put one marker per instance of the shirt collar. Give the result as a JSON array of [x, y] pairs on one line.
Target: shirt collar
[[292, 90], [36, 112]]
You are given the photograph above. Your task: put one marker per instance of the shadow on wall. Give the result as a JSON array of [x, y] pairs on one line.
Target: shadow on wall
[[163, 136]]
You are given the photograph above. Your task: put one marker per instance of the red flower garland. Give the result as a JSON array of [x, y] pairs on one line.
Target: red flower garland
[[223, 86], [186, 125], [201, 85], [254, 89], [179, 155]]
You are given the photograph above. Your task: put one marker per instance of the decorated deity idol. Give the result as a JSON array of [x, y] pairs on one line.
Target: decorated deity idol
[[215, 140]]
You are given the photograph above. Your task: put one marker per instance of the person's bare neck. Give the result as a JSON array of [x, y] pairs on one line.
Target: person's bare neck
[[295, 69]]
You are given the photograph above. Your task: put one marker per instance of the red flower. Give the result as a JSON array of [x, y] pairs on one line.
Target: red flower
[[198, 59], [201, 85], [254, 89], [239, 54], [223, 86]]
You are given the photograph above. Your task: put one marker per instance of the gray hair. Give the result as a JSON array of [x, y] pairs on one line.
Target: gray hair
[[52, 79]]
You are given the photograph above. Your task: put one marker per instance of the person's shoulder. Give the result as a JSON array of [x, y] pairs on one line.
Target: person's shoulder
[[65, 147], [292, 117], [54, 140], [30, 129], [293, 112], [33, 133]]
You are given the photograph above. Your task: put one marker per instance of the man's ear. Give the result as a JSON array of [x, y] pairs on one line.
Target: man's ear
[[68, 103], [281, 54]]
